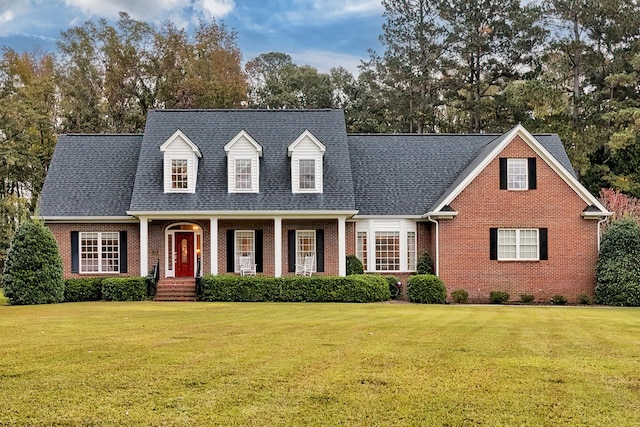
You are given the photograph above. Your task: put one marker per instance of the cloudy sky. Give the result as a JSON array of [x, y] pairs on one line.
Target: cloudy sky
[[321, 33]]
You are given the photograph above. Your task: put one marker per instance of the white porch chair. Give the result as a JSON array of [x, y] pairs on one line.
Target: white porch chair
[[247, 266], [307, 267]]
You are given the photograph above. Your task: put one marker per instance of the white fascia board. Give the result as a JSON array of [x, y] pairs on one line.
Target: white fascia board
[[92, 219], [596, 215], [179, 134], [238, 137], [243, 214], [440, 215], [355, 217], [306, 134], [529, 139]]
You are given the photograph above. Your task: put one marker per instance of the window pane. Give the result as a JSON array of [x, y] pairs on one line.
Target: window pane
[[243, 174], [528, 244], [179, 176], [517, 174], [89, 252], [110, 252], [507, 244], [387, 250], [361, 247], [245, 247], [307, 173], [305, 245], [411, 250]]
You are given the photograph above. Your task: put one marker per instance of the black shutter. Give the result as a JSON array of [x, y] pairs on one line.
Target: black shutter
[[231, 259], [503, 173], [292, 250], [320, 251], [493, 243], [532, 173], [75, 252], [259, 251], [123, 253], [544, 243]]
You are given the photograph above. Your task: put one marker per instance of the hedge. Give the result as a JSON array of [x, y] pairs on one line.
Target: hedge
[[84, 289], [353, 288], [426, 289], [124, 289]]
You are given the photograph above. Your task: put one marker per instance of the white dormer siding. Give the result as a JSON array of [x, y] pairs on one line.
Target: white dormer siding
[[243, 164], [306, 154], [180, 163]]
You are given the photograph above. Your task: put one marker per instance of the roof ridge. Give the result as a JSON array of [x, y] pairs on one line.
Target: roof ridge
[[101, 134]]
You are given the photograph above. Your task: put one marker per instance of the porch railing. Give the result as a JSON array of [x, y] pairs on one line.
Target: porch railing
[[152, 280]]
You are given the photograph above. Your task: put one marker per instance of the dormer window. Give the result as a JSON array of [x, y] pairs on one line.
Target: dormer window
[[180, 164], [306, 154], [243, 157]]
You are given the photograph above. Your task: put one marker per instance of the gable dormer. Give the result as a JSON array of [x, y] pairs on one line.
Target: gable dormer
[[306, 155], [180, 164], [243, 164]]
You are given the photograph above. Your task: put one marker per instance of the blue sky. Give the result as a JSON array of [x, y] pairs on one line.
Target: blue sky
[[321, 33]]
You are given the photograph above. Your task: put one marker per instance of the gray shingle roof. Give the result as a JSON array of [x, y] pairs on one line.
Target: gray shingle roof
[[90, 175], [274, 130], [406, 174]]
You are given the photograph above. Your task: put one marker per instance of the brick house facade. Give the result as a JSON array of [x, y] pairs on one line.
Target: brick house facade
[[202, 189]]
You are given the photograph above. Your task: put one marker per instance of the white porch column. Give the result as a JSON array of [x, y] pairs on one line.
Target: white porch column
[[213, 248], [144, 246], [342, 247], [277, 246]]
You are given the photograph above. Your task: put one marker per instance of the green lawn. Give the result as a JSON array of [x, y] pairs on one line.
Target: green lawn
[[164, 364]]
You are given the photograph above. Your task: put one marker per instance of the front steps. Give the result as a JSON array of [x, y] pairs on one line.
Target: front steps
[[176, 289]]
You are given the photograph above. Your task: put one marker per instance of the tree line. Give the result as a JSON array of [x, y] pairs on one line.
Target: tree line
[[570, 67]]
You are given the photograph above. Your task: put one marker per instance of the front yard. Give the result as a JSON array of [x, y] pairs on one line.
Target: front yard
[[318, 364]]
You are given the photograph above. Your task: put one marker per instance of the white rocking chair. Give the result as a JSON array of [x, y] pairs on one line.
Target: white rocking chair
[[307, 267], [247, 266]]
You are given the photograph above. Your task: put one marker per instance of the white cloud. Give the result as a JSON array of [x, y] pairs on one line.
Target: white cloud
[[325, 60], [305, 11], [6, 17], [215, 8], [138, 9]]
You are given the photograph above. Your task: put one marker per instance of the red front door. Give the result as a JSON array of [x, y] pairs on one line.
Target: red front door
[[184, 257]]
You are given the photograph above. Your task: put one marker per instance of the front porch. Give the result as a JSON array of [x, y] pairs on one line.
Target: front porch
[[194, 246]]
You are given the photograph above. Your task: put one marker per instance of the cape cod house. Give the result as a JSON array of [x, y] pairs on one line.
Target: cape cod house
[[202, 190]]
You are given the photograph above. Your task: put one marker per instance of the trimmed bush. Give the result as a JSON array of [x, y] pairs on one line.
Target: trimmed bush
[[124, 289], [33, 268], [498, 297], [354, 288], [424, 264], [460, 296], [84, 289], [558, 300], [354, 265], [584, 299], [618, 266], [527, 298], [426, 289]]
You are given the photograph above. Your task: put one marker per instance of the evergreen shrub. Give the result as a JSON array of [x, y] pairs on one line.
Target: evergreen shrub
[[527, 298], [83, 289], [124, 289], [498, 297], [354, 265], [618, 266], [460, 296], [33, 268], [426, 289], [424, 264]]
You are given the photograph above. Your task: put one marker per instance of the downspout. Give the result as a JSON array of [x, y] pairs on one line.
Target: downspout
[[603, 220], [437, 257]]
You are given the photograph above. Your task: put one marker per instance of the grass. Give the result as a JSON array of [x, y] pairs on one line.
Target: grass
[[3, 299], [105, 364]]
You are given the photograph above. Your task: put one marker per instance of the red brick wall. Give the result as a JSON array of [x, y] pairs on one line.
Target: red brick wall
[[62, 233], [330, 228], [464, 240]]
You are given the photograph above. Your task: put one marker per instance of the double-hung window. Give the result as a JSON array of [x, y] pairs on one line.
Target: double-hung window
[[361, 247], [305, 245], [244, 247], [307, 174], [243, 176], [179, 174], [517, 174], [100, 252], [518, 244]]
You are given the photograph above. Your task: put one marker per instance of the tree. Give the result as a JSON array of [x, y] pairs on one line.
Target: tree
[[28, 109], [33, 271], [618, 266]]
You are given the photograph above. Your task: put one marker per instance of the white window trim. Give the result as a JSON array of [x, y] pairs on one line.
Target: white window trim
[[518, 244], [236, 252], [234, 154], [402, 226], [170, 237], [254, 179], [100, 264], [317, 176], [315, 151], [189, 152], [526, 174], [299, 258]]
